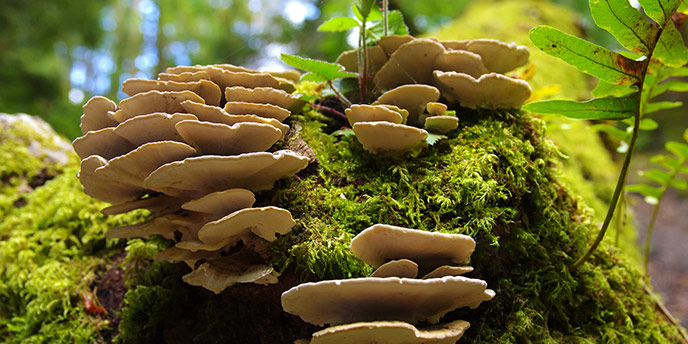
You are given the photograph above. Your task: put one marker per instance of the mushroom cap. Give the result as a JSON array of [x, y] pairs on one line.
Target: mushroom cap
[[391, 43], [411, 63], [455, 44], [380, 243], [215, 114], [154, 101], [264, 95], [498, 56], [388, 138], [105, 189], [376, 59], [216, 275], [205, 174], [95, 115], [446, 270], [441, 124], [103, 142], [413, 98], [292, 75], [185, 76], [402, 268], [368, 299], [137, 130], [403, 112], [176, 255], [222, 202], [460, 61], [133, 167], [372, 113], [436, 109], [492, 90], [264, 222], [226, 78], [262, 110], [156, 204], [390, 332], [165, 226], [222, 139], [206, 89]]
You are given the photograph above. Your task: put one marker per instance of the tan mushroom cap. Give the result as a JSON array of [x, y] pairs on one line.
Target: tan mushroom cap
[[105, 189], [222, 202], [264, 222], [403, 112], [460, 61], [402, 268], [446, 270], [226, 78], [202, 175], [413, 98], [206, 89], [156, 204], [262, 110], [412, 63], [103, 142], [391, 332], [185, 76], [176, 255], [217, 275], [391, 43], [455, 44], [498, 56], [441, 124], [139, 130], [222, 139], [95, 115], [292, 75], [165, 226], [133, 167], [215, 114], [154, 101], [376, 59], [380, 243], [388, 138], [264, 95], [369, 299], [436, 109], [372, 113], [492, 90]]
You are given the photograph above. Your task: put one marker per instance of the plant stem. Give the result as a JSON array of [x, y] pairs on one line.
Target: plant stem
[[339, 95], [617, 192], [666, 312], [619, 218], [655, 211], [328, 109], [363, 76], [385, 9]]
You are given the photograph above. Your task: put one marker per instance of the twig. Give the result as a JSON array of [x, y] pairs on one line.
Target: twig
[[666, 312], [339, 95], [328, 109]]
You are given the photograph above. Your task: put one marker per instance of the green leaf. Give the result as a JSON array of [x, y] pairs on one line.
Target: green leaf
[[611, 131], [626, 23], [669, 162], [671, 85], [685, 135], [657, 106], [344, 132], [670, 48], [434, 138], [678, 148], [587, 57], [605, 89], [597, 108], [679, 184], [362, 9], [659, 176], [648, 124], [319, 71], [660, 10], [645, 190], [339, 24], [396, 27]]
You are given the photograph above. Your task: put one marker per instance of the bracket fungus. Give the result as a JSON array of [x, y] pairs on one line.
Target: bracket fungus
[[172, 149], [390, 332]]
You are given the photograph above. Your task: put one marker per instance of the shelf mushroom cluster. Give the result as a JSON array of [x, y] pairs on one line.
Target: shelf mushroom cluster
[[417, 71], [191, 148], [382, 308]]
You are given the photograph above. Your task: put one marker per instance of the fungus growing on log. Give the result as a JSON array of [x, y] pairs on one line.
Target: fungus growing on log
[[195, 171], [390, 332]]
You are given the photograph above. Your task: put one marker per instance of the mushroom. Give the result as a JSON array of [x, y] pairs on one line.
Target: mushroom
[[492, 90], [441, 124], [390, 332], [368, 299], [372, 113], [411, 63], [263, 95], [153, 101], [262, 110], [222, 139], [498, 56], [222, 202], [137, 130], [165, 226], [226, 78], [412, 98], [455, 44], [218, 274], [184, 77], [446, 270], [397, 268], [380, 243], [206, 89], [376, 57], [289, 74], [103, 142], [264, 222], [157, 204], [460, 61], [95, 115], [215, 114], [105, 189], [388, 138], [391, 43], [436, 109]]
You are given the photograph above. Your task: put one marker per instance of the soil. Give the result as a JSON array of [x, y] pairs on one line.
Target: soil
[[110, 291], [668, 263]]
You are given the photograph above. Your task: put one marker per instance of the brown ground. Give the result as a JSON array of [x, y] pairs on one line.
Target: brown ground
[[669, 254]]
